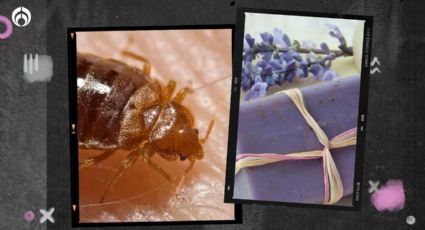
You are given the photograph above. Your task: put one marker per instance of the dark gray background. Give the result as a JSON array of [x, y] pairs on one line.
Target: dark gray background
[[395, 125]]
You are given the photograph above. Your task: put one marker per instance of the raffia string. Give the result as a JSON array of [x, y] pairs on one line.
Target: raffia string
[[332, 180]]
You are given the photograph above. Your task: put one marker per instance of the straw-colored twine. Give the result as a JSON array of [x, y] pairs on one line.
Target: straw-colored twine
[[333, 185]]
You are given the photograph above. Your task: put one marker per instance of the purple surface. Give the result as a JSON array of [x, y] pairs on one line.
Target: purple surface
[[274, 125]]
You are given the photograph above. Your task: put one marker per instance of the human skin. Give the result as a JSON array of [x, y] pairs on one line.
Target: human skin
[[193, 59]]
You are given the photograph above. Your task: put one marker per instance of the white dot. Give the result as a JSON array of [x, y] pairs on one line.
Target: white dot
[[410, 220]]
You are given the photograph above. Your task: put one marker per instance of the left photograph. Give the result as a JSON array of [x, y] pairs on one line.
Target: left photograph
[[149, 124]]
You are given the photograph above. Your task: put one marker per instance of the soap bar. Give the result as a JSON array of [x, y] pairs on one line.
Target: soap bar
[[273, 124]]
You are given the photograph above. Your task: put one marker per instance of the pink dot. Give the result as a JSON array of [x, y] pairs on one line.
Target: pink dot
[[8, 25], [29, 216], [389, 197]]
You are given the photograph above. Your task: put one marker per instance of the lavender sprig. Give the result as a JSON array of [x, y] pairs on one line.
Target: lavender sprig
[[276, 60]]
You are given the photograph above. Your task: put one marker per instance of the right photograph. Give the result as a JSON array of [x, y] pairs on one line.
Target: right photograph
[[301, 109]]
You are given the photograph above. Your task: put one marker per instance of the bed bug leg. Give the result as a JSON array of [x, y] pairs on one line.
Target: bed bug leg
[[127, 163], [169, 89], [88, 162], [186, 171], [182, 94], [147, 153], [147, 65], [203, 140]]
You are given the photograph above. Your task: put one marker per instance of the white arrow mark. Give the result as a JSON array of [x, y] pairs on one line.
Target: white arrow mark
[[375, 61], [375, 70]]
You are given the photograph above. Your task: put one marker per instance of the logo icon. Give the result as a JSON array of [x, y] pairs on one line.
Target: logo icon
[[21, 16], [8, 25]]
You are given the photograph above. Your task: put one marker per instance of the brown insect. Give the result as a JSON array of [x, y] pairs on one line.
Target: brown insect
[[122, 107]]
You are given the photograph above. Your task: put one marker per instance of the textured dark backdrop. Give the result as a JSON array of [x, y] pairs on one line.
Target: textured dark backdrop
[[395, 136]]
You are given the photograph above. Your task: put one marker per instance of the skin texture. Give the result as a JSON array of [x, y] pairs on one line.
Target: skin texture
[[193, 59]]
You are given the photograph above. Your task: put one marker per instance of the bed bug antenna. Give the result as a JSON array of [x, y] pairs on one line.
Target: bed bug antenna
[[211, 82], [207, 134], [147, 66]]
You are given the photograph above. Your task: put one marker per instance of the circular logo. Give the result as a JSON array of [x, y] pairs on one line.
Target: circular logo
[[21, 16], [8, 25]]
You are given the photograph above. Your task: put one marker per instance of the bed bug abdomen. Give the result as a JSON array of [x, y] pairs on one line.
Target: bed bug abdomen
[[104, 90]]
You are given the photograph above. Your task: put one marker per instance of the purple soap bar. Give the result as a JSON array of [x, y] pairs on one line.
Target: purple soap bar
[[274, 125]]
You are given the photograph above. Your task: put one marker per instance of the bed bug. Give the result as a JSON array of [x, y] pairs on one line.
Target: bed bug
[[121, 107]]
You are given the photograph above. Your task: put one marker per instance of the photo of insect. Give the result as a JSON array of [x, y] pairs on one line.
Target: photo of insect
[[151, 112], [122, 107]]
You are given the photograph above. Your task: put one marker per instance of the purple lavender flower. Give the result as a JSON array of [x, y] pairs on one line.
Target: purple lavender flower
[[304, 68], [329, 75], [323, 73], [288, 56], [276, 64], [279, 60], [286, 39], [324, 47], [250, 40], [248, 52], [316, 69], [278, 70], [246, 76], [335, 32], [267, 38], [279, 39], [308, 45], [291, 69], [258, 90]]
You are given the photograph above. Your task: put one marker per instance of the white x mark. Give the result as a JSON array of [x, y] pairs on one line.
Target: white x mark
[[373, 186], [47, 215]]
